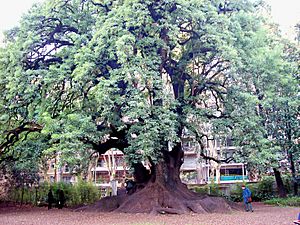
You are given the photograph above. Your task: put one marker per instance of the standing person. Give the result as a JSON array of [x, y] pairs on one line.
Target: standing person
[[50, 199], [61, 198], [247, 198]]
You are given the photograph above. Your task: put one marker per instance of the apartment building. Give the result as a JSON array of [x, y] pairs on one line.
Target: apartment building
[[57, 173], [195, 170]]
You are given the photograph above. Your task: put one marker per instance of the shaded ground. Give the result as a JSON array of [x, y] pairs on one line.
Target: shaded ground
[[263, 215]]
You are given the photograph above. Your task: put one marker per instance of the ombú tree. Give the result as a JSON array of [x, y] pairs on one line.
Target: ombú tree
[[130, 75]]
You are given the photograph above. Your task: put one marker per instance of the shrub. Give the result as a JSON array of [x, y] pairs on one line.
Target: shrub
[[77, 194], [287, 181], [201, 189], [265, 189], [214, 189], [88, 192], [29, 195], [292, 201], [211, 189], [262, 190], [236, 193]]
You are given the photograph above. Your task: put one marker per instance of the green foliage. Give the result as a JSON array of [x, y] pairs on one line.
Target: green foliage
[[264, 189], [211, 189], [288, 183], [268, 101], [261, 191], [77, 194], [29, 195], [133, 74], [291, 201], [236, 193], [25, 171], [201, 189], [298, 32], [214, 189]]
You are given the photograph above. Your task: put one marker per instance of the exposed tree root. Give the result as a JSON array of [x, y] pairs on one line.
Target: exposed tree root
[[162, 191], [157, 199]]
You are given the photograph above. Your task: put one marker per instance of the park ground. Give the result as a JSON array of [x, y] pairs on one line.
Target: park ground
[[263, 215]]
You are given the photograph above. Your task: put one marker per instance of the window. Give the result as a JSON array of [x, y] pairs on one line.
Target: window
[[67, 179], [119, 161], [67, 169], [101, 163], [231, 171], [229, 142]]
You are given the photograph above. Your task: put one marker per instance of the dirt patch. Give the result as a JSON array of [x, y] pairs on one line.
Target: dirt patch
[[263, 215]]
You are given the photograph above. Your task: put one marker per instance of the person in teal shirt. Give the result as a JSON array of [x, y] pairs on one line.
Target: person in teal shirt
[[247, 198]]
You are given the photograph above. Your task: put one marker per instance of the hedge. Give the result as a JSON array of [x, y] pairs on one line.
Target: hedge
[[291, 201], [78, 194]]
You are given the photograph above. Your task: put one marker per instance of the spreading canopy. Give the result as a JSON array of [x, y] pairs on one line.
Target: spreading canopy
[[136, 75], [124, 74]]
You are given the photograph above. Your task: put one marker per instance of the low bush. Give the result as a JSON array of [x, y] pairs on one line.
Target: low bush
[[291, 201], [287, 181], [201, 189], [77, 194], [210, 189], [263, 190], [214, 189], [236, 193]]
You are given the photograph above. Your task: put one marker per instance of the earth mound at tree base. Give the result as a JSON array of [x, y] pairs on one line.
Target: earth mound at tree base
[[159, 200]]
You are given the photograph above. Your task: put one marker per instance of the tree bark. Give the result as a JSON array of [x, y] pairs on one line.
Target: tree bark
[[289, 149], [90, 176], [280, 186], [293, 170]]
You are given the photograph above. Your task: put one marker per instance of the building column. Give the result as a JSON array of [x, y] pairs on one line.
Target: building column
[[243, 171]]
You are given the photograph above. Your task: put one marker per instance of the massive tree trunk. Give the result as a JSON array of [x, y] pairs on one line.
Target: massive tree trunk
[[164, 193], [280, 186]]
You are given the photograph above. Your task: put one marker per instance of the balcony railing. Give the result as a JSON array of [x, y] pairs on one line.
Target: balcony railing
[[233, 178]]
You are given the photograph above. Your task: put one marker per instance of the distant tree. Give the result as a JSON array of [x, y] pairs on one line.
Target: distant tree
[[297, 27], [269, 107], [24, 172]]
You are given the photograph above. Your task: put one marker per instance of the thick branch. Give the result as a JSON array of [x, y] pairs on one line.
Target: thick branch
[[13, 136], [199, 138], [117, 140]]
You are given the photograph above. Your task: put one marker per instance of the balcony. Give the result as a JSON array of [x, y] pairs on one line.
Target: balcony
[[105, 169]]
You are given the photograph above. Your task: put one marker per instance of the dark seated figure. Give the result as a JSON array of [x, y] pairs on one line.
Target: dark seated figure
[[130, 186], [51, 199], [61, 199]]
